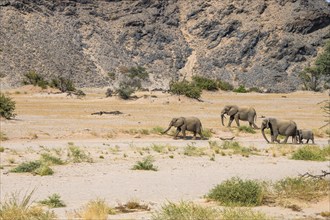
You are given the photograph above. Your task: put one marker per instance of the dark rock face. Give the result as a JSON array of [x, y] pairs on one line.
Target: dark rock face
[[255, 43]]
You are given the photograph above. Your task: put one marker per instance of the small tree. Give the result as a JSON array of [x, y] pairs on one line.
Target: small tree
[[7, 107], [33, 78], [312, 76], [63, 84]]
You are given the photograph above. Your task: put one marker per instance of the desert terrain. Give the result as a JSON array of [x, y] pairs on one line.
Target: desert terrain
[[48, 122]]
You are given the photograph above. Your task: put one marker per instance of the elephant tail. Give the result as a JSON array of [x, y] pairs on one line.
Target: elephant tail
[[255, 118]]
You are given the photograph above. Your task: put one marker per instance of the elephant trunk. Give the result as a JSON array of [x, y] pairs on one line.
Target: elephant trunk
[[263, 134], [222, 116], [167, 129]]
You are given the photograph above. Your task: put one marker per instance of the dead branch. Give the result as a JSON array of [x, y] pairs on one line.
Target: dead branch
[[320, 176], [104, 112], [227, 139]]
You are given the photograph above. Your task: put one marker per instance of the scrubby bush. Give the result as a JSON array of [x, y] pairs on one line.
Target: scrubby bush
[[35, 167], [50, 159], [185, 88], [43, 170], [205, 83], [194, 151], [246, 129], [7, 107], [138, 72], [109, 92], [240, 89], [3, 136], [242, 213], [309, 152], [225, 86], [33, 78], [145, 164], [21, 209], [77, 155], [95, 209], [185, 211], [238, 192], [125, 91], [53, 201], [63, 84], [304, 189]]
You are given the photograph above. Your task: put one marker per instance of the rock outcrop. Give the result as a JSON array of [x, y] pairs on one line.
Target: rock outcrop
[[261, 43]]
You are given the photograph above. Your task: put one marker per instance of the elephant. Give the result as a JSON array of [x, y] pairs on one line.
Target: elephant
[[186, 124], [305, 134], [282, 127], [239, 113]]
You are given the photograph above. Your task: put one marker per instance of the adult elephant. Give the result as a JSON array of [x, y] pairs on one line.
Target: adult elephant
[[239, 113], [184, 124], [283, 127]]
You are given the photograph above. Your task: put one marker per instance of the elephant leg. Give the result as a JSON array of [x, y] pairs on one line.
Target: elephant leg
[[176, 133], [275, 137], [237, 120], [307, 141], [230, 120], [184, 133], [285, 140], [194, 137]]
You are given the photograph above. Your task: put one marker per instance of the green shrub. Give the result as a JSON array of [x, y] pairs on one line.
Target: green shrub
[[77, 155], [27, 167], [53, 201], [236, 148], [246, 129], [301, 188], [7, 107], [32, 78], [43, 170], [194, 151], [185, 211], [139, 72], [21, 209], [63, 84], [205, 83], [225, 86], [185, 88], [146, 164], [240, 89], [238, 192], [207, 133], [242, 213], [157, 130], [309, 152], [50, 159], [125, 91], [2, 149]]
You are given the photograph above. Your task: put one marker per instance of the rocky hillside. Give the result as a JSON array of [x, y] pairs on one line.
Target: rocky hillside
[[257, 43]]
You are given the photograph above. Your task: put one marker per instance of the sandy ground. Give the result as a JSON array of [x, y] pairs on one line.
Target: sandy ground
[[46, 121]]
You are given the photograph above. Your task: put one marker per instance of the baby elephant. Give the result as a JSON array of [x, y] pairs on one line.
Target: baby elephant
[[305, 134], [186, 124]]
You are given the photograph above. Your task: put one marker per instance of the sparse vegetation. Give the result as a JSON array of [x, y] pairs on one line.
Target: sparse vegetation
[[53, 201], [35, 167], [236, 148], [246, 129], [43, 170], [207, 133], [309, 152], [33, 78], [2, 149], [51, 160], [21, 209], [125, 91], [95, 209], [145, 164], [312, 76], [205, 83], [225, 86], [63, 84], [7, 107], [185, 88], [185, 211], [305, 189], [240, 89], [193, 151], [157, 130], [238, 192], [131, 206], [242, 213], [77, 155]]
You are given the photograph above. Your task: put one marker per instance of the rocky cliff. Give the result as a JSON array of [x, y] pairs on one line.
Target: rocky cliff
[[257, 43]]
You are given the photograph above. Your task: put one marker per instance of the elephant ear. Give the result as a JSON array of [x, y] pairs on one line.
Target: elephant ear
[[233, 110], [179, 122]]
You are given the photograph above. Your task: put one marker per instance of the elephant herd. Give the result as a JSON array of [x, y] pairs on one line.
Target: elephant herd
[[287, 128]]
